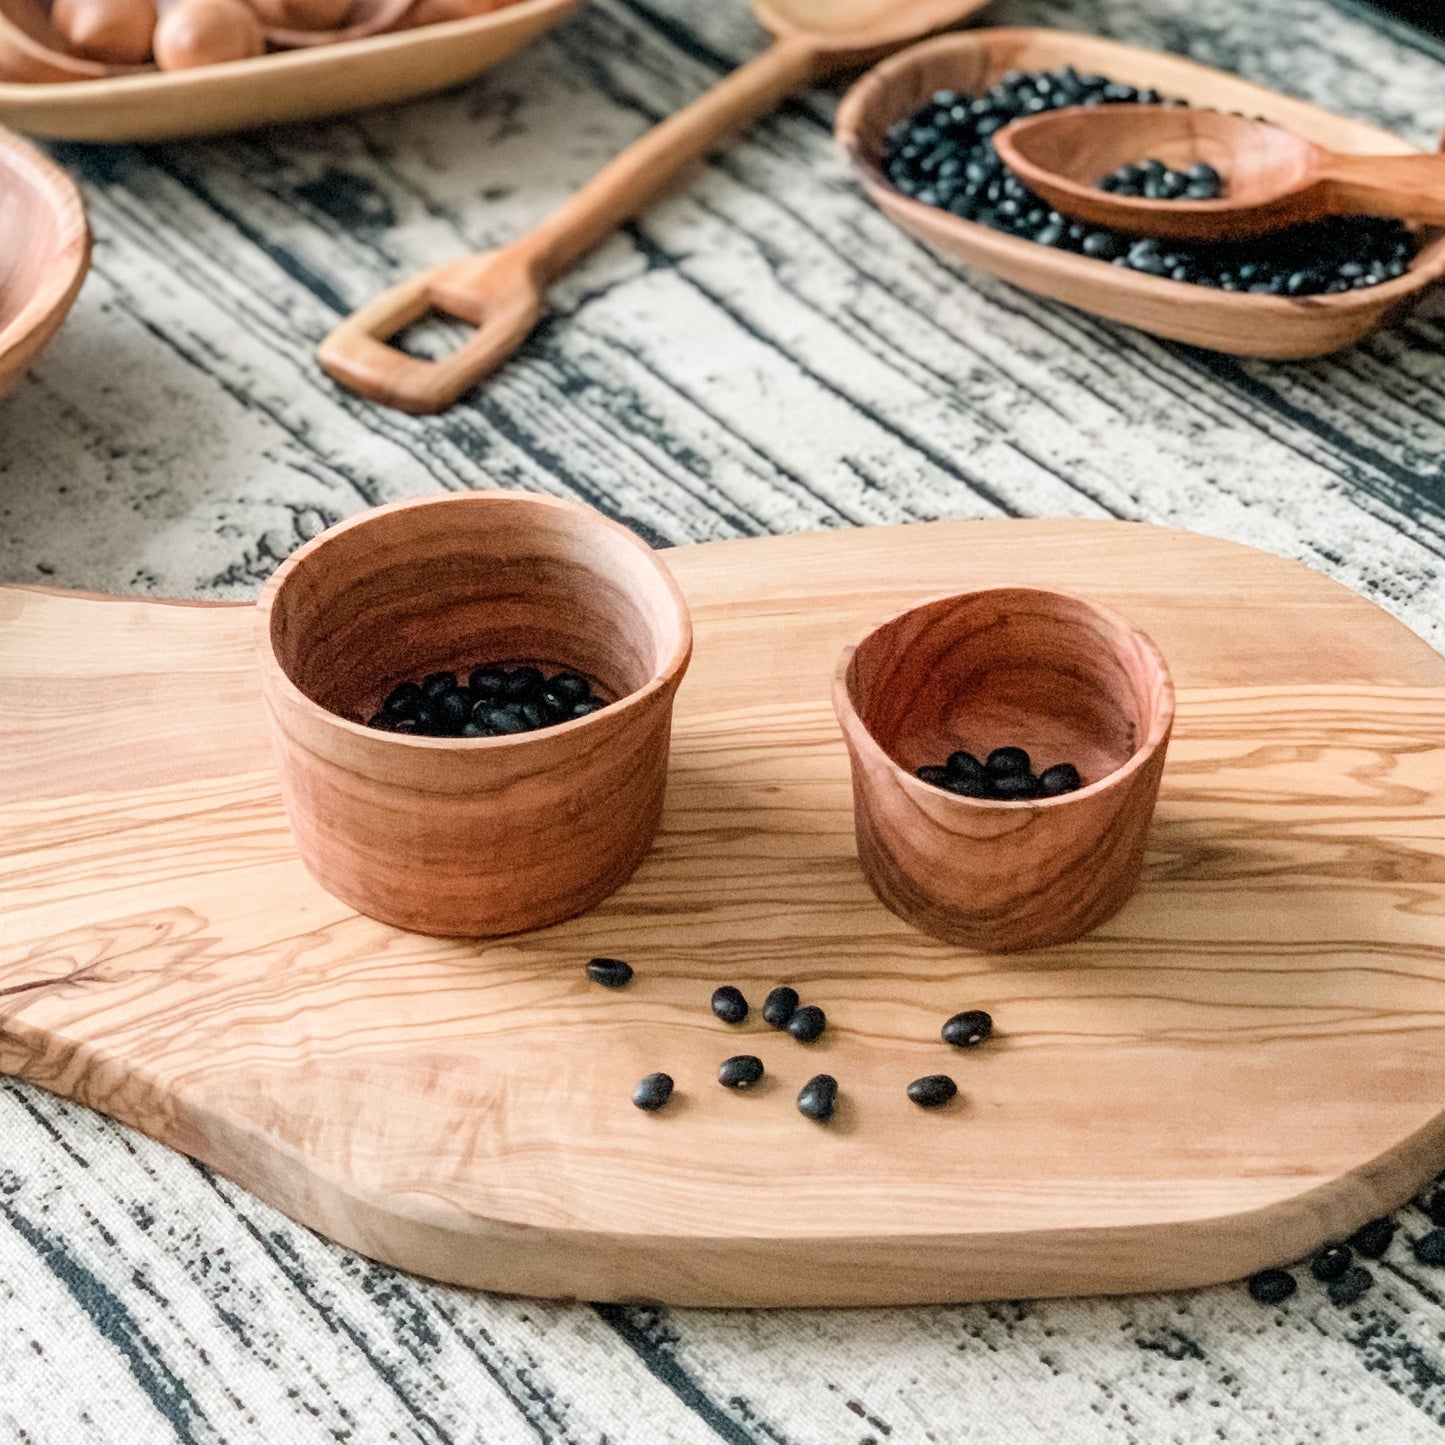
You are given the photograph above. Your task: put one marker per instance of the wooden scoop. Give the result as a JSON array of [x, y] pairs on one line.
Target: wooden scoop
[[1272, 177], [502, 292]]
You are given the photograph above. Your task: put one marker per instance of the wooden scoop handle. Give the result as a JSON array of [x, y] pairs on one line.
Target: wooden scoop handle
[[1410, 187], [502, 292]]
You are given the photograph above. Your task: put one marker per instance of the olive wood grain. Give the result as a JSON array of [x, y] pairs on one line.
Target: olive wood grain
[[44, 253], [289, 85], [1243, 1063], [477, 836], [502, 292], [1062, 678], [1235, 322], [1272, 178]]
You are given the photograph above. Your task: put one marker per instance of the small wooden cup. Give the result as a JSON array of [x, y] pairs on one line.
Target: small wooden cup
[[481, 836], [1005, 667]]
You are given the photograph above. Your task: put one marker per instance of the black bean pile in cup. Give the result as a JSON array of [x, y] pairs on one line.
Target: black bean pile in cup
[[1005, 776], [1152, 180], [494, 702], [785, 1011], [943, 155]]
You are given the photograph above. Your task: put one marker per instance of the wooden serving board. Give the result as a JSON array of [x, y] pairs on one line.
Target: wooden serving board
[[1241, 1065]]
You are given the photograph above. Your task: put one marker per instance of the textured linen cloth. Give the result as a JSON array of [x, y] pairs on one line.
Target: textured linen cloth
[[763, 352]]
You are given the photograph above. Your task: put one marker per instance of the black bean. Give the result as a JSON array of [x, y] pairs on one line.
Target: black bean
[[819, 1097], [729, 1004], [1435, 1207], [610, 972], [963, 765], [1373, 1239], [807, 1024], [968, 1029], [523, 683], [780, 1006], [438, 683], [1350, 1286], [428, 718], [499, 719], [487, 683], [1059, 779], [932, 1091], [1271, 1286], [936, 777], [401, 701], [531, 713], [383, 723], [741, 1071], [586, 709], [981, 787], [652, 1092], [1005, 762], [455, 707], [1331, 1262], [570, 686], [475, 730], [1014, 788], [1430, 1249]]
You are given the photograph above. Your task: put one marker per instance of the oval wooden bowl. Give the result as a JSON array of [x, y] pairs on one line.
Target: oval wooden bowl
[[1244, 325], [1066, 680], [484, 836], [272, 89], [44, 253]]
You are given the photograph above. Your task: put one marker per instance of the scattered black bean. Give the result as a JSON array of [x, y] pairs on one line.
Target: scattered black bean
[[780, 1006], [1331, 1262], [729, 1004], [1062, 778], [1431, 1248], [933, 1091], [495, 702], [1271, 1286], [968, 1029], [943, 155], [610, 972], [741, 1071], [1155, 180], [807, 1024], [1373, 1239], [1349, 1286], [819, 1097], [652, 1092]]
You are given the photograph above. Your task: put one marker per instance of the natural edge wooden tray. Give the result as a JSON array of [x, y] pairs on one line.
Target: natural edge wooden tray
[[1241, 1065]]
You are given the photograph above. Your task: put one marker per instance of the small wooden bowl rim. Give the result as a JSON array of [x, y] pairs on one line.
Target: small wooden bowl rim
[[862, 103], [276, 675], [128, 76], [70, 258], [1160, 727]]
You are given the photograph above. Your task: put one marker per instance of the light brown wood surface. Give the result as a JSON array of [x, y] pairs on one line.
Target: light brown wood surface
[[471, 836], [1242, 1064], [1272, 177], [44, 253], [503, 292], [269, 90], [1064, 679], [1234, 322]]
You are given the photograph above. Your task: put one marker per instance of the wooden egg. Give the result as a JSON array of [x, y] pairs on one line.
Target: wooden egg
[[302, 14], [116, 31], [207, 32]]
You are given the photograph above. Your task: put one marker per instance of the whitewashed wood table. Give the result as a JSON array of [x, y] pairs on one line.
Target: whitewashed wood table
[[762, 353]]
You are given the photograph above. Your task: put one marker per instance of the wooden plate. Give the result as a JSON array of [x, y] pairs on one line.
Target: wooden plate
[[44, 253], [1241, 1065], [290, 85], [1241, 324]]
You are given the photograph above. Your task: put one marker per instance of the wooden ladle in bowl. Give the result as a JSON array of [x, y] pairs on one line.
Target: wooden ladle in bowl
[[1272, 177], [502, 292]]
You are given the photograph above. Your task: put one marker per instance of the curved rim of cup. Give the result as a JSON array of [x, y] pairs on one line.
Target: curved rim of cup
[[664, 676], [861, 735]]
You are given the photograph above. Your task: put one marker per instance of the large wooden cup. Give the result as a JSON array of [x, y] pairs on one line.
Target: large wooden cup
[[1008, 666], [479, 836]]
